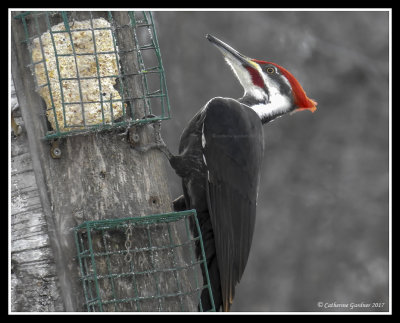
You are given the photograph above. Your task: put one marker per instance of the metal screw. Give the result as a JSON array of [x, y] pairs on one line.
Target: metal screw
[[55, 152], [135, 137]]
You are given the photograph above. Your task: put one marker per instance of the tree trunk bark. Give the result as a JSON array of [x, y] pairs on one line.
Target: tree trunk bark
[[34, 282], [99, 176]]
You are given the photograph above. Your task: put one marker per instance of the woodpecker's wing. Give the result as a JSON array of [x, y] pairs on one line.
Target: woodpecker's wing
[[232, 149]]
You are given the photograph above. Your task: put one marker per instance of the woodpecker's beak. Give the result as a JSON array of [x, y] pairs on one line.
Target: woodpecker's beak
[[230, 53]]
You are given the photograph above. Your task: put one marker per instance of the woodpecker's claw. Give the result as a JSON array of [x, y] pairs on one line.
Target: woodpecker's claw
[[158, 141], [179, 204]]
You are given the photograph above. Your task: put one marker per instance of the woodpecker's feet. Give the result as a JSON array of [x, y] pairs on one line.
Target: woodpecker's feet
[[158, 141], [179, 204]]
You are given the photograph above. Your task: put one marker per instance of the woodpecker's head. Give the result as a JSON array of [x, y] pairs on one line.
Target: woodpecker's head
[[269, 89]]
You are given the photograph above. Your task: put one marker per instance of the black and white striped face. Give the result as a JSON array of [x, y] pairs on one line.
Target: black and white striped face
[[269, 89], [269, 79], [275, 81]]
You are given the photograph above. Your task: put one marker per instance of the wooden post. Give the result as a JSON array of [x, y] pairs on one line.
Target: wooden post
[[99, 175]]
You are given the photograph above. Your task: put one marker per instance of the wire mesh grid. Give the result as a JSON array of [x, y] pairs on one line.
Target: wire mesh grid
[[143, 264], [96, 70]]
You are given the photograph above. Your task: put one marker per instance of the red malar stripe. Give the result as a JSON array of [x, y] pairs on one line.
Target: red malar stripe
[[255, 77]]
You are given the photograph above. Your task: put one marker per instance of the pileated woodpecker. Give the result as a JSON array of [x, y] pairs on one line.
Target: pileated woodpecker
[[219, 161]]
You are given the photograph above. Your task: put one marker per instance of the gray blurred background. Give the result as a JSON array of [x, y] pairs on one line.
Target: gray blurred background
[[322, 230]]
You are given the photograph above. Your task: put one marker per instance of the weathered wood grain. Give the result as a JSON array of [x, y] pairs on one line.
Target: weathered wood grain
[[34, 282]]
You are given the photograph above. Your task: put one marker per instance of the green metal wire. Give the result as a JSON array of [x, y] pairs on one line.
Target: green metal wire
[[137, 25], [178, 285], [94, 269], [46, 73], [97, 299]]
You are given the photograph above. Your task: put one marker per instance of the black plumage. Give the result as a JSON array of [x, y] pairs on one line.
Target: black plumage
[[219, 160]]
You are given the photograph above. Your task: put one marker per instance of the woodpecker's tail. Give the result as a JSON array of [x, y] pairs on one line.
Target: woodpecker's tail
[[213, 273], [179, 204]]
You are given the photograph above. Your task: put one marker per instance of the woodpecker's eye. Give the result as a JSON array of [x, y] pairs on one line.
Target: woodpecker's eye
[[270, 70]]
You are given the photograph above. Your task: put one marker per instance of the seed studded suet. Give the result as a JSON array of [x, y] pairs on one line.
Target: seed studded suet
[[82, 71]]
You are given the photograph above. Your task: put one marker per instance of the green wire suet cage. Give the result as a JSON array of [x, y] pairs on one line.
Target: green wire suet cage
[[95, 70], [143, 263]]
